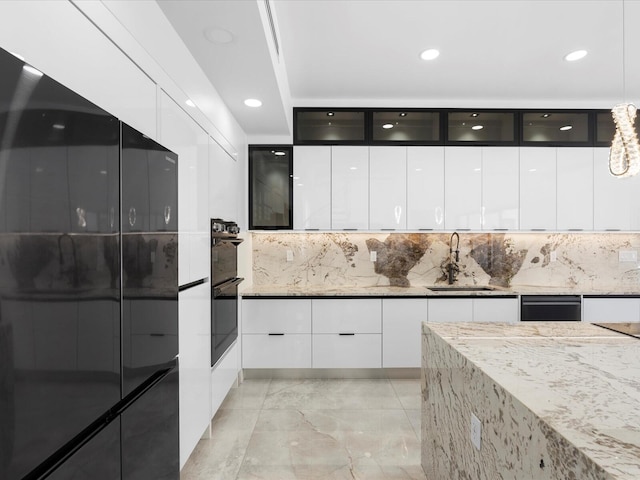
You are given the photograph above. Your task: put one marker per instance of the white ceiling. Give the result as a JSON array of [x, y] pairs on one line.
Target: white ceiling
[[365, 53]]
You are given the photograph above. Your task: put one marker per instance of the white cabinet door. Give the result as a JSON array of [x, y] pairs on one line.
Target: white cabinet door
[[537, 188], [575, 188], [616, 201], [463, 188], [450, 310], [276, 316], [347, 315], [276, 350], [223, 377], [179, 133], [195, 366], [402, 331], [350, 188], [610, 310], [425, 188], [388, 188], [347, 351], [503, 310], [500, 188], [225, 175], [312, 187]]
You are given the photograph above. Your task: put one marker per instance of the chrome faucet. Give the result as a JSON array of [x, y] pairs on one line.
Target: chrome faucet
[[452, 264]]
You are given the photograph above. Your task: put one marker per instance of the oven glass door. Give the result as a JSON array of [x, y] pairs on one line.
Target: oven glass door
[[224, 262], [224, 317]]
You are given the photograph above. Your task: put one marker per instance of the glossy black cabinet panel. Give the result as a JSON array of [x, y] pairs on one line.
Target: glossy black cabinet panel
[[150, 447], [149, 257], [405, 126], [481, 127], [59, 266], [329, 126], [98, 459]]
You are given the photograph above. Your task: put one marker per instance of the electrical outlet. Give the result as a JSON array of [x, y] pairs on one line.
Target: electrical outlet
[[553, 256], [373, 256], [289, 255], [627, 256], [476, 431]]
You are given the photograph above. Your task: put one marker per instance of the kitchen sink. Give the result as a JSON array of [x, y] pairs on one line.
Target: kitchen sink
[[460, 288]]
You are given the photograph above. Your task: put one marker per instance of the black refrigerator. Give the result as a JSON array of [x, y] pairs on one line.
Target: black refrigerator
[[88, 289]]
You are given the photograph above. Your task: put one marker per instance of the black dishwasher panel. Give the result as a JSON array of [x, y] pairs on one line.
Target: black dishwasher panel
[[554, 308]]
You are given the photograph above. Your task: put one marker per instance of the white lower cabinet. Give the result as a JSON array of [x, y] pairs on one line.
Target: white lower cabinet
[[502, 310], [402, 331], [352, 350], [276, 333], [610, 309], [450, 310]]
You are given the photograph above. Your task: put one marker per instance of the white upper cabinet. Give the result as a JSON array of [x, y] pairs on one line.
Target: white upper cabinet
[[425, 188], [616, 202], [537, 188], [182, 135], [388, 188], [349, 188], [312, 187], [575, 188], [500, 188], [463, 188], [224, 177]]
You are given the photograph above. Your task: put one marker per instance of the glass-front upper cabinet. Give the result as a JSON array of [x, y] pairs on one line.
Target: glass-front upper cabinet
[[415, 127], [606, 128], [481, 127], [270, 187], [330, 127], [555, 128]]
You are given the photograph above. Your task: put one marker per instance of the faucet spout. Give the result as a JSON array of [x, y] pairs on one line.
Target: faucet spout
[[452, 269]]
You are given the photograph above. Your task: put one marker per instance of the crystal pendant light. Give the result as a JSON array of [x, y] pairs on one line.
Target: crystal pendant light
[[624, 156]]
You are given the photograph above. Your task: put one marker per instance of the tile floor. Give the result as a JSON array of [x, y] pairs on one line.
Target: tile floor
[[313, 429]]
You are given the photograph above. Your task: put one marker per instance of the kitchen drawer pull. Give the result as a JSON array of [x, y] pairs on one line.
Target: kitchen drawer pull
[[276, 334], [350, 334]]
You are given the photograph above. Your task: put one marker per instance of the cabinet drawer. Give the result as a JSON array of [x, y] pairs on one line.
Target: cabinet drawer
[[450, 310], [276, 316], [503, 310], [347, 316], [347, 351], [610, 310], [276, 351]]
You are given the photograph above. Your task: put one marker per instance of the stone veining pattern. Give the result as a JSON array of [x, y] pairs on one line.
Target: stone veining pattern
[[555, 402], [585, 261]]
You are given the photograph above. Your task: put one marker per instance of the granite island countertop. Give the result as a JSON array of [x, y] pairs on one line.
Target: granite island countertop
[[556, 400]]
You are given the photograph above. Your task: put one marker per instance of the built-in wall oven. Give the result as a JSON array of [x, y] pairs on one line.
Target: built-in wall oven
[[224, 286]]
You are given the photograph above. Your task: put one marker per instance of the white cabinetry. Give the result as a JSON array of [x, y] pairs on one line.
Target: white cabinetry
[[425, 188], [195, 365], [611, 310], [478, 309], [224, 177], [505, 310], [450, 310], [179, 133], [388, 188], [312, 187], [350, 188], [276, 333], [347, 333], [575, 188], [616, 201], [463, 188], [402, 331], [500, 188], [537, 188]]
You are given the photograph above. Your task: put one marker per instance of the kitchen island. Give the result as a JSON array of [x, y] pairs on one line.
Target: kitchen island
[[554, 401]]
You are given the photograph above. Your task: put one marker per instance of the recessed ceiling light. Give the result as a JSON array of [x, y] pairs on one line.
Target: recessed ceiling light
[[403, 114], [279, 153], [387, 126], [474, 115], [330, 114], [545, 115], [566, 127], [252, 102], [32, 71], [217, 35], [477, 127], [353, 168], [430, 54], [190, 103], [577, 55]]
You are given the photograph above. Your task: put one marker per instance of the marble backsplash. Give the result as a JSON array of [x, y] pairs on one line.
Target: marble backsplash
[[585, 261]]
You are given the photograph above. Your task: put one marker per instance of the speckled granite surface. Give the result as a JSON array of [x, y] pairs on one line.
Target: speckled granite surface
[[556, 401]]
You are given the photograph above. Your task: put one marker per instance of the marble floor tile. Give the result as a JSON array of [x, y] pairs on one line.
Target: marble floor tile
[[313, 429]]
